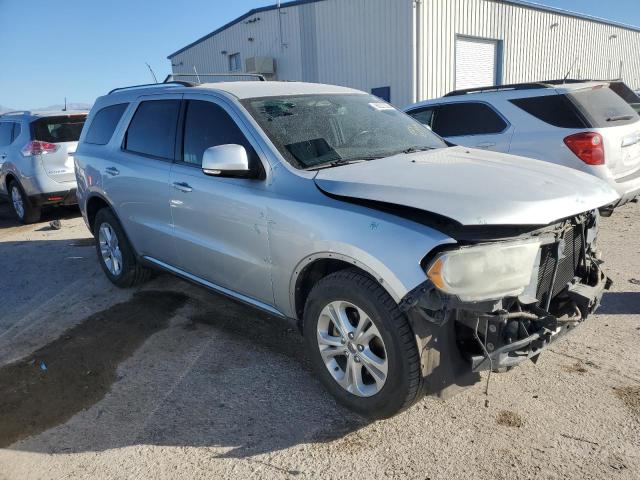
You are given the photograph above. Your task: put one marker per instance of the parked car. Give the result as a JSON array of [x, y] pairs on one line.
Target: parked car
[[585, 126], [627, 94], [408, 266], [36, 160]]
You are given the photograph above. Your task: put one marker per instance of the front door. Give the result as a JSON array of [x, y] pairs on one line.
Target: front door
[[220, 224]]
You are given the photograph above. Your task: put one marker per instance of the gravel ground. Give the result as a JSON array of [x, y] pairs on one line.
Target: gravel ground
[[207, 388]]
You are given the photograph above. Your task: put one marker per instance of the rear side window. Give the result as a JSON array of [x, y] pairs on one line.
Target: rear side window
[[424, 116], [603, 107], [556, 110], [458, 119], [104, 123], [208, 125], [152, 130], [6, 132], [58, 129]]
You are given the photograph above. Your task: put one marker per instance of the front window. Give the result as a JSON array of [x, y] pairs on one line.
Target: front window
[[317, 130]]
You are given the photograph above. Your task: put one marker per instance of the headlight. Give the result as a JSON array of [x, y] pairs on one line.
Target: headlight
[[485, 272]]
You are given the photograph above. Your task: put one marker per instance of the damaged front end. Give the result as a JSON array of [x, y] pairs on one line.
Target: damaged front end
[[566, 286]]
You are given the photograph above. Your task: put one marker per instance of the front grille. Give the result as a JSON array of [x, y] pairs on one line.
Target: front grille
[[570, 260]]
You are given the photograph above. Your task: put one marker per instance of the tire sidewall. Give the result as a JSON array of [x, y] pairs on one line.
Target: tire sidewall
[[26, 204], [392, 397]]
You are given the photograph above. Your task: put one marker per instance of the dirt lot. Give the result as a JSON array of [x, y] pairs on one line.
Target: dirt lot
[[170, 381]]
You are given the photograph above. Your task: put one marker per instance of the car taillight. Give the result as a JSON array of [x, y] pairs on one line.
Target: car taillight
[[36, 147], [588, 147]]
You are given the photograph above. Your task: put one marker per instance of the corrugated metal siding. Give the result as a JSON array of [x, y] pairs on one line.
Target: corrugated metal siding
[[357, 43], [532, 49], [369, 43]]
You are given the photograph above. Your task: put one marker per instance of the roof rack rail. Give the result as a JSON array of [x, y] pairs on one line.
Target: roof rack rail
[[497, 88], [524, 86], [145, 85], [15, 112], [197, 76]]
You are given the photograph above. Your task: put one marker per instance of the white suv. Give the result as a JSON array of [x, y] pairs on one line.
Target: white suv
[[581, 125]]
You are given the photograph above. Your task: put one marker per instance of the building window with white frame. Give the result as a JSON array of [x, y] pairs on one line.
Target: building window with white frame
[[235, 65]]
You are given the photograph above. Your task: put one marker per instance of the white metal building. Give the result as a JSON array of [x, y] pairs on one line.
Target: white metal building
[[409, 50]]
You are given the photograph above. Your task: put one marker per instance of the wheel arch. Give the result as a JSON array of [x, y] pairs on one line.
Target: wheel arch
[[315, 267], [93, 205]]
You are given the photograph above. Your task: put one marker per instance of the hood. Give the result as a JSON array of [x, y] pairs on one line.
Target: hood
[[472, 187]]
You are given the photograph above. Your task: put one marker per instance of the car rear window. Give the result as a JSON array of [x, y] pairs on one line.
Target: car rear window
[[104, 123], [556, 110], [152, 130], [603, 107], [58, 129]]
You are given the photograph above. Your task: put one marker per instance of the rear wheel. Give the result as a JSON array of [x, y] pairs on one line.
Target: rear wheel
[[116, 256], [361, 344], [22, 207]]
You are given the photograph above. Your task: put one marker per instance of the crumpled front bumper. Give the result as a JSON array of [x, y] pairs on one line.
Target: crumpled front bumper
[[587, 299]]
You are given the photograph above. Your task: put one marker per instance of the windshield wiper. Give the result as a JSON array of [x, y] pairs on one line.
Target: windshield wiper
[[416, 149], [336, 163], [619, 118]]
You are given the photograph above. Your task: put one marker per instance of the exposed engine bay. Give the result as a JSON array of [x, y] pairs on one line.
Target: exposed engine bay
[[566, 286]]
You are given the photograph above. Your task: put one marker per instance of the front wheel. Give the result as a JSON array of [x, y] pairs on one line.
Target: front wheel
[[361, 344]]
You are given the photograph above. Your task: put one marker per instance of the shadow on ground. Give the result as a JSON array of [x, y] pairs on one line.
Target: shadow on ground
[[620, 303], [153, 371], [8, 218]]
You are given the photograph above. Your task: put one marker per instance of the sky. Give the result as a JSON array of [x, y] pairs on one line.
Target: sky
[[81, 49]]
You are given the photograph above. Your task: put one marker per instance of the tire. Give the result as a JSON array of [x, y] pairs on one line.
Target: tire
[[124, 270], [22, 207], [357, 293]]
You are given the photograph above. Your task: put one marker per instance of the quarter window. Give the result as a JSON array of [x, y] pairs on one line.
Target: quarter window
[[556, 110], [16, 131], [152, 130], [104, 123], [461, 119], [208, 125], [424, 116]]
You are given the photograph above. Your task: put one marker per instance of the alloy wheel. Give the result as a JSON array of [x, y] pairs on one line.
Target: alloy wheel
[[110, 249], [352, 348], [16, 199]]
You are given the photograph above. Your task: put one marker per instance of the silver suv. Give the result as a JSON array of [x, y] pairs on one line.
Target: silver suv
[[36, 160], [408, 266]]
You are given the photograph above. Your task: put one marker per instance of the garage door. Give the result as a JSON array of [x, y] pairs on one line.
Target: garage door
[[476, 63]]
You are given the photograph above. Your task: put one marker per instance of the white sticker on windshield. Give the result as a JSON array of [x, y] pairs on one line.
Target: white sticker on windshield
[[381, 106]]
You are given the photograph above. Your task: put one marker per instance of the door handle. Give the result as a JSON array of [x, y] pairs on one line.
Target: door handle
[[183, 187], [112, 171], [486, 145]]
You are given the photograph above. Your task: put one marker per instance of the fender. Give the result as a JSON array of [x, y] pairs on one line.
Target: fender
[[382, 274]]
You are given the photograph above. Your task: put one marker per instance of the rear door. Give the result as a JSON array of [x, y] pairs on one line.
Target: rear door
[[472, 124], [63, 131], [136, 177]]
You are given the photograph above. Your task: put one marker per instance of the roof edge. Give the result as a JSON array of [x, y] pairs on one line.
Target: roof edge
[[520, 3], [251, 12]]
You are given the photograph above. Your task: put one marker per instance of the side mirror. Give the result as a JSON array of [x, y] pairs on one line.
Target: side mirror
[[226, 161]]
